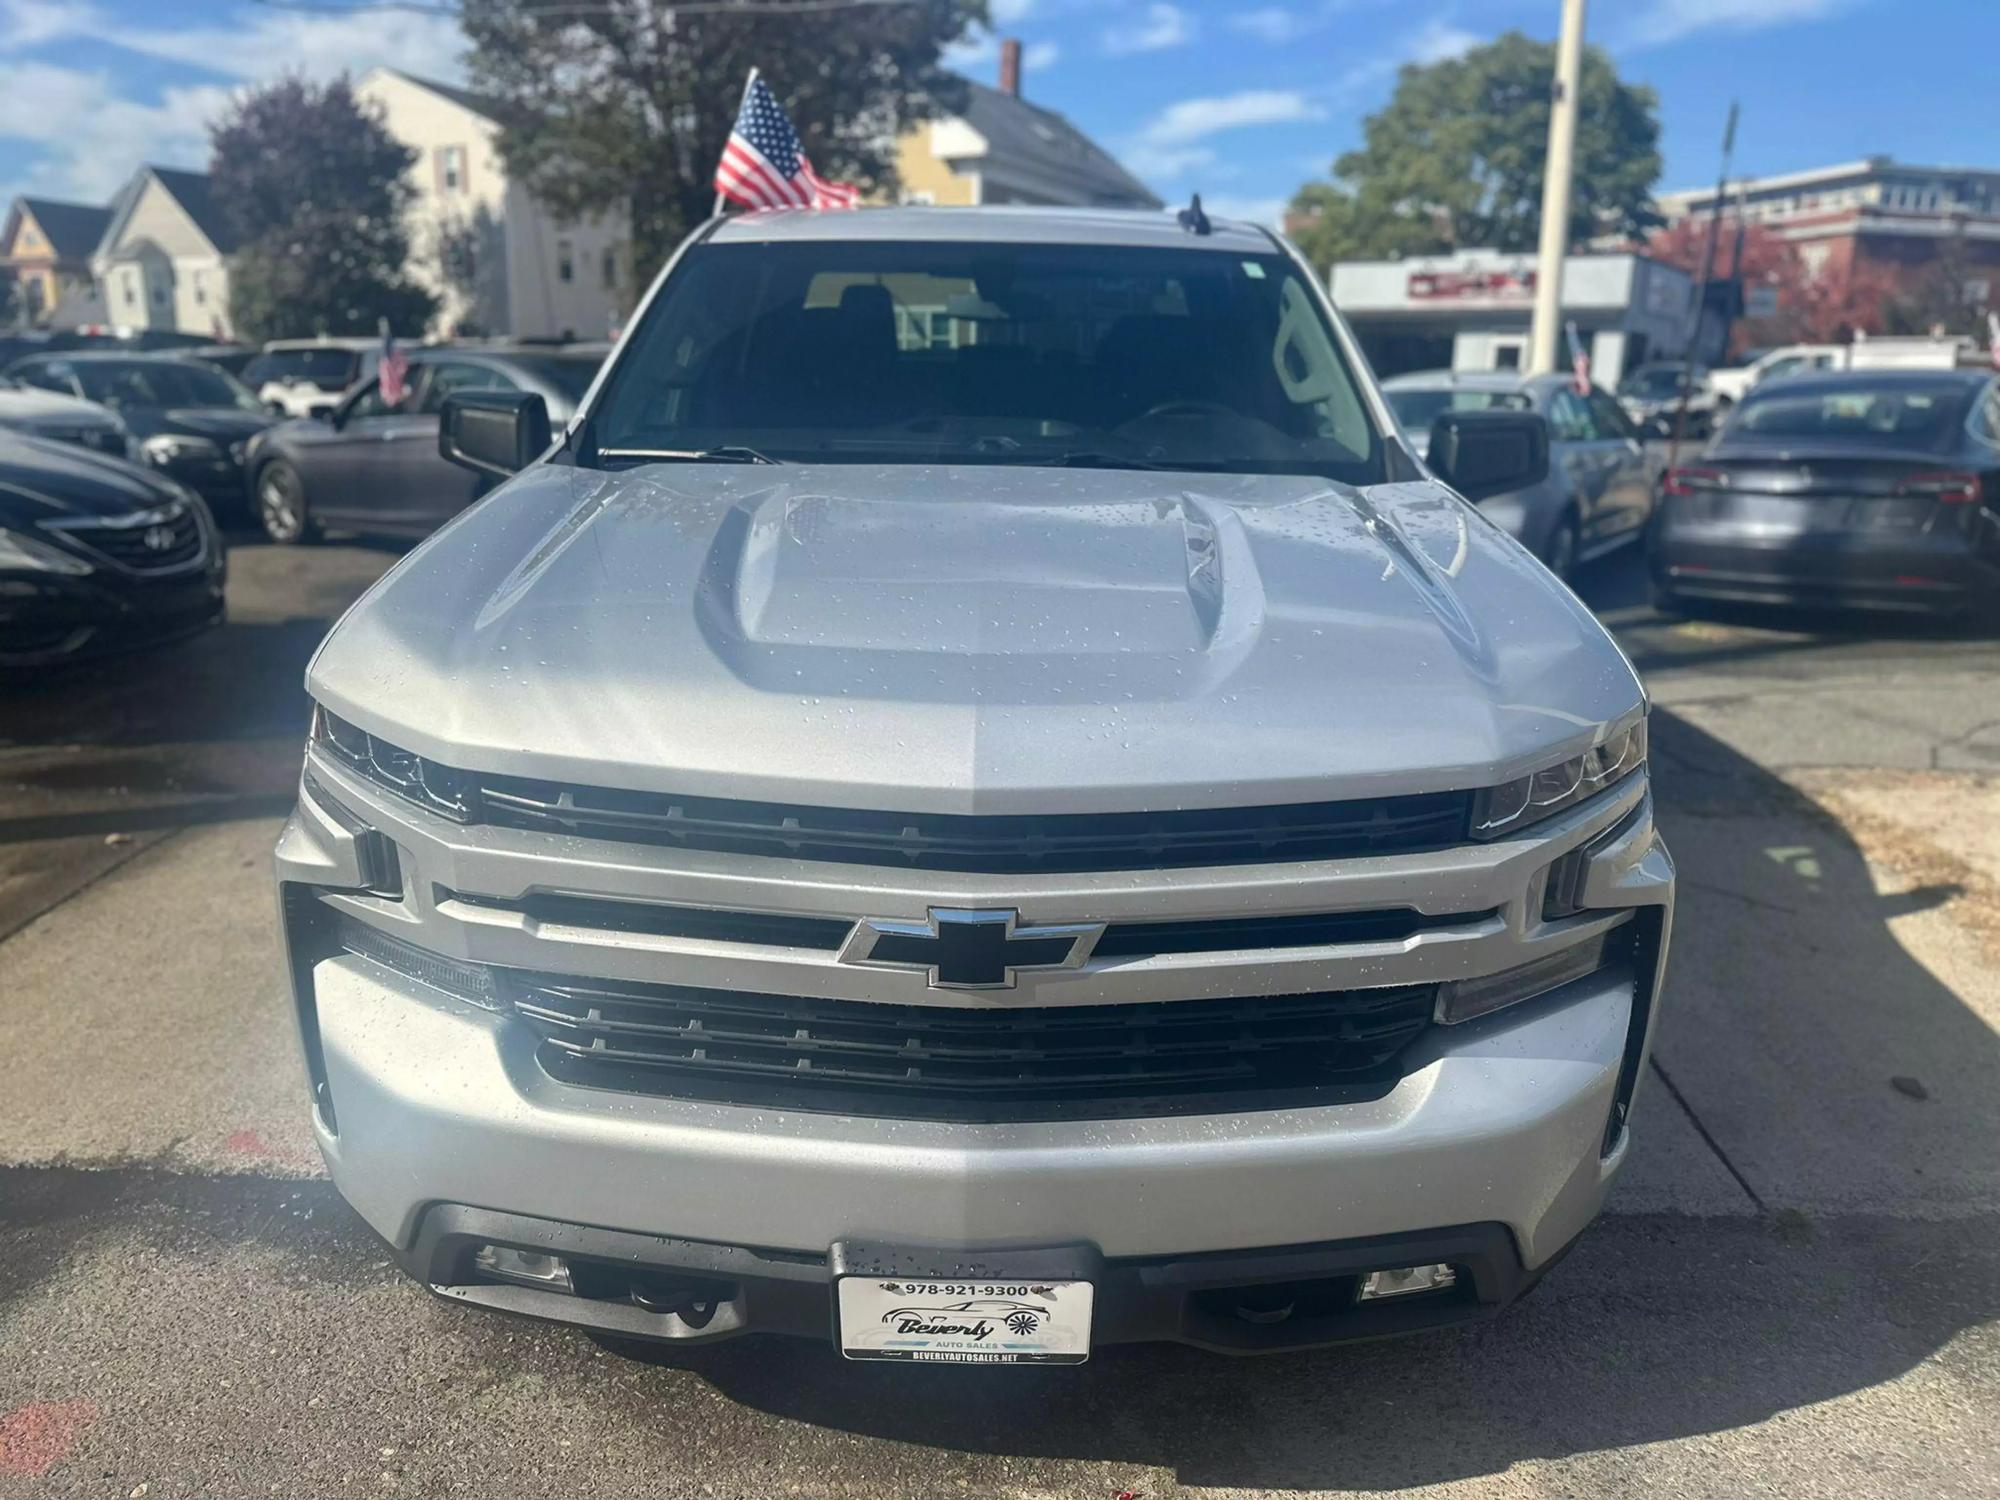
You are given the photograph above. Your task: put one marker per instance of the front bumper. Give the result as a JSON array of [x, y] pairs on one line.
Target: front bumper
[[48, 620], [1494, 1150]]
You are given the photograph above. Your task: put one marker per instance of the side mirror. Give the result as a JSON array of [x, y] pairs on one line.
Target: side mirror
[[1485, 453], [493, 432]]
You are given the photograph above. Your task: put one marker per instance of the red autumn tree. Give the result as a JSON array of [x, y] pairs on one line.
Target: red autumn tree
[[1827, 308]]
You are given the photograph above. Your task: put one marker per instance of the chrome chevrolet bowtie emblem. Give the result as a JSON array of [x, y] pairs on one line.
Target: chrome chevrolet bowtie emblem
[[969, 949], [157, 538]]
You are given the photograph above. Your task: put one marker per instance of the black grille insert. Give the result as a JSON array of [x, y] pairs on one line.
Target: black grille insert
[[988, 1063], [1120, 939], [997, 844], [169, 542]]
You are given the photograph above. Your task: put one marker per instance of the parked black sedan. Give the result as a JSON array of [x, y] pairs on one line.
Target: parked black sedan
[[190, 419], [1874, 488], [97, 555], [371, 466]]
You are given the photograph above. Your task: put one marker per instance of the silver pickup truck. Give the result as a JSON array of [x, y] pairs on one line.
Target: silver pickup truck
[[976, 802]]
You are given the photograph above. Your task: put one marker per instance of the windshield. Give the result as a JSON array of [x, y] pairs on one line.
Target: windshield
[[1417, 409], [161, 383], [986, 353], [1653, 380], [1893, 416]]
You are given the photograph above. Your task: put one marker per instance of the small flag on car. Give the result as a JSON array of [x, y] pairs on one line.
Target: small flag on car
[[1993, 337], [764, 166], [394, 371], [1579, 360]]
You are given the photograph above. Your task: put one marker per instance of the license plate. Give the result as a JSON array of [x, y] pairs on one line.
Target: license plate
[[965, 1322]]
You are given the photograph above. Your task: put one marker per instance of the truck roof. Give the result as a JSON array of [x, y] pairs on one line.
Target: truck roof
[[1016, 225]]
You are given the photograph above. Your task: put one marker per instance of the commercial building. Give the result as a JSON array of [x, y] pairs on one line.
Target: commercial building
[[1912, 222], [1470, 310]]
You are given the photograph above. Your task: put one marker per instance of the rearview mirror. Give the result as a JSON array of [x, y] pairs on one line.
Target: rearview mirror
[[493, 432], [1486, 453]]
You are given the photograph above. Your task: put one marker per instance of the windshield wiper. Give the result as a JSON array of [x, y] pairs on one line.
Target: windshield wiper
[[723, 453]]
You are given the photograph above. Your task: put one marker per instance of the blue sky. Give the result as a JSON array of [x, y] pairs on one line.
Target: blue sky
[[1241, 101]]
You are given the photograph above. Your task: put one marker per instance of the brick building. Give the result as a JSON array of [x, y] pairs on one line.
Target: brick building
[[1923, 226]]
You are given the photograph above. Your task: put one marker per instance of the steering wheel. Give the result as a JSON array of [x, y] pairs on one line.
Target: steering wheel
[[1186, 406]]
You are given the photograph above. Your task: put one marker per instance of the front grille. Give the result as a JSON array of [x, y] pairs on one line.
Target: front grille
[[827, 934], [935, 1062], [1004, 844], [172, 540]]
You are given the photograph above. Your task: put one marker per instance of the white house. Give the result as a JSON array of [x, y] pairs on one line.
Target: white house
[[497, 260], [163, 260]]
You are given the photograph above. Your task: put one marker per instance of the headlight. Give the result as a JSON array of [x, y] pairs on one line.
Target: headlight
[[423, 782], [1520, 803], [21, 552], [168, 447]]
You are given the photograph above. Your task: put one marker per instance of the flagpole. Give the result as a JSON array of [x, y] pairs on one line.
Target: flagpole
[[748, 84]]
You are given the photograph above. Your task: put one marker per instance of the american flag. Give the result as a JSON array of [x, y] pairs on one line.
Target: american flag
[[394, 370], [764, 166], [1579, 362]]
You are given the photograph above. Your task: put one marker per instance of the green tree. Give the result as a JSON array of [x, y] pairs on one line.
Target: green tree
[[1454, 161], [315, 191], [625, 108]]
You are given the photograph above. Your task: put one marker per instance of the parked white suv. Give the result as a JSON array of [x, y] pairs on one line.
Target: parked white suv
[[1732, 385], [305, 377]]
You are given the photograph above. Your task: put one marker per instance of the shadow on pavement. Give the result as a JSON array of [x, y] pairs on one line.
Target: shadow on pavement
[[1790, 1007]]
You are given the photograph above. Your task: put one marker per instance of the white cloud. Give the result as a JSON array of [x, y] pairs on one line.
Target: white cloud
[[1162, 26], [1269, 23], [1671, 20], [1197, 119], [92, 134], [1171, 144], [1039, 55], [29, 23], [1007, 12], [1440, 41], [92, 139]]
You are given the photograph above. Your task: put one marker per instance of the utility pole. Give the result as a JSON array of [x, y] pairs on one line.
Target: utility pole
[[1701, 286], [1555, 192]]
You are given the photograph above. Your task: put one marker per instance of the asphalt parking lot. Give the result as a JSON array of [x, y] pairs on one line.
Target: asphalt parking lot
[[1795, 1291]]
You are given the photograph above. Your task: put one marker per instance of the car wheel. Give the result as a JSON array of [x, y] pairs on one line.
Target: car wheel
[[281, 504], [1559, 554]]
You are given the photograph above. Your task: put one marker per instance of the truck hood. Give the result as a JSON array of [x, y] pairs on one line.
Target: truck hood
[[975, 639]]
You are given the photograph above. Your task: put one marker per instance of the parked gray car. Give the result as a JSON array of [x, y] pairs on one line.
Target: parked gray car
[[1598, 494], [372, 465], [976, 799]]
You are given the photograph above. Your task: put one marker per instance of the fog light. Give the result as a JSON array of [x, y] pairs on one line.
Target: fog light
[[1405, 1281], [529, 1267], [1463, 999]]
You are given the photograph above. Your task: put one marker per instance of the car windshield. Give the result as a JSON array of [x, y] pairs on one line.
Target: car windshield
[[1654, 380], [569, 373], [161, 383], [1892, 416], [1417, 409], [909, 352]]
